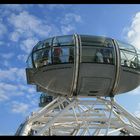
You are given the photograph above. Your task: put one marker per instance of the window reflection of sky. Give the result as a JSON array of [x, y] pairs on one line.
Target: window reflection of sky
[[65, 54]]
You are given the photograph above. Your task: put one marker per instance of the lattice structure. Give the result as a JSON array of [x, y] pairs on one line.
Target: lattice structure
[[81, 116]]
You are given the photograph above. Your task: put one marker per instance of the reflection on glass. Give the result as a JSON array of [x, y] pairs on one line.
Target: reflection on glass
[[125, 46], [128, 59], [63, 40], [97, 55], [96, 41], [54, 51], [29, 62], [62, 51], [65, 55], [57, 52], [71, 55], [42, 57], [43, 44]]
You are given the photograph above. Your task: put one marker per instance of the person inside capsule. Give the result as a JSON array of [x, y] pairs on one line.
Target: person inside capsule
[[99, 56], [56, 55]]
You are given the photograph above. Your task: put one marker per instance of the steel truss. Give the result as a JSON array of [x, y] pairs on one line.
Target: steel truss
[[81, 116]]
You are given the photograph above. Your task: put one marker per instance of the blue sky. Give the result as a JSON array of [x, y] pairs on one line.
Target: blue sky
[[22, 26]]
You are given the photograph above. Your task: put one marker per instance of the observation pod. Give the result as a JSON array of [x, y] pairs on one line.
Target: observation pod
[[83, 65]]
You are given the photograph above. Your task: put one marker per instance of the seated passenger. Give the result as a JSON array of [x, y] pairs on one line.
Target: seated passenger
[[99, 56], [56, 55]]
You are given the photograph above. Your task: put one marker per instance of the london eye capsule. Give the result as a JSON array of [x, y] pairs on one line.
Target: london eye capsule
[[83, 65]]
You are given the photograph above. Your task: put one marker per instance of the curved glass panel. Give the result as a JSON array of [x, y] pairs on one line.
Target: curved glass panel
[[129, 57], [43, 44], [38, 46], [55, 50], [42, 57], [63, 54], [97, 55], [29, 61], [63, 40], [63, 49], [125, 46], [56, 54], [96, 40]]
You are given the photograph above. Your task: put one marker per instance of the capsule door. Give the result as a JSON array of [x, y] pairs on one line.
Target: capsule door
[[96, 66]]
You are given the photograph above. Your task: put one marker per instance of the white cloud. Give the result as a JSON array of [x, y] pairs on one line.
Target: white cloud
[[3, 97], [10, 90], [27, 45], [70, 18], [35, 26], [19, 107], [3, 29], [133, 32], [13, 74], [7, 55], [13, 7], [22, 57], [15, 36], [30, 90], [1, 43], [67, 29], [68, 23], [28, 25], [33, 101], [6, 63], [54, 6]]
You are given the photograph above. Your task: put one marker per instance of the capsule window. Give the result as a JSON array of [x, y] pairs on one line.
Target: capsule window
[[56, 53], [43, 44], [125, 46], [97, 55], [128, 59], [38, 46], [96, 41], [63, 50], [63, 55], [63, 40], [42, 57]]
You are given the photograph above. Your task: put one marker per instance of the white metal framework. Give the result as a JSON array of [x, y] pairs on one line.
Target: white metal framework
[[81, 116]]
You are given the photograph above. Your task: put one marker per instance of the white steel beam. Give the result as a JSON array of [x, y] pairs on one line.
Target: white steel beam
[[79, 116]]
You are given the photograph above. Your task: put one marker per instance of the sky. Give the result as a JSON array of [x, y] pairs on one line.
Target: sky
[[23, 25]]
